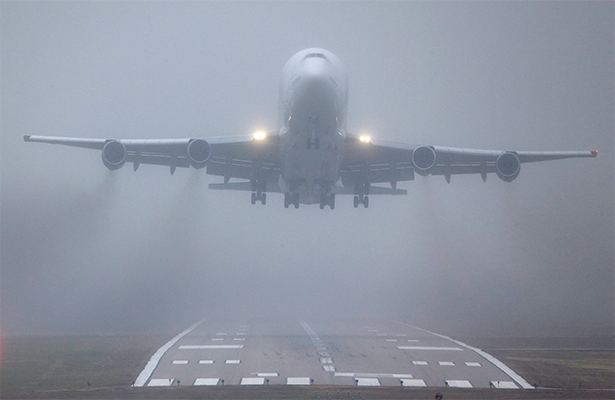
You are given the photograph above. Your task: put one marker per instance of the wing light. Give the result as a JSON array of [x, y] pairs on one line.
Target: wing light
[[260, 135], [365, 139]]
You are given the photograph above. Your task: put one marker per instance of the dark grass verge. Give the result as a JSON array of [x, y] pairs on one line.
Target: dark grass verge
[[565, 362], [314, 392], [33, 363]]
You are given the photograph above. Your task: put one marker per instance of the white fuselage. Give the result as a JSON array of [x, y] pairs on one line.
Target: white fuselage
[[312, 115]]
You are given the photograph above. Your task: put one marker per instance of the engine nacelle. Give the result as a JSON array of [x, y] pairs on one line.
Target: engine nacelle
[[199, 152], [507, 166], [114, 155], [423, 159]]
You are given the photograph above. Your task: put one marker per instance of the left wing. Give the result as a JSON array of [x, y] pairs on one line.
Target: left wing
[[373, 161], [242, 157]]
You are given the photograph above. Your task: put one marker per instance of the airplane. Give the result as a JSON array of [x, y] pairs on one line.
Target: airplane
[[311, 158]]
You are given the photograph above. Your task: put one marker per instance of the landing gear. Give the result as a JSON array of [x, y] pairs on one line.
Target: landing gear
[[327, 200], [291, 198], [361, 191], [258, 192]]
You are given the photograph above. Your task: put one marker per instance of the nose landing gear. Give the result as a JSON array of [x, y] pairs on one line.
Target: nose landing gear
[[327, 200], [361, 191]]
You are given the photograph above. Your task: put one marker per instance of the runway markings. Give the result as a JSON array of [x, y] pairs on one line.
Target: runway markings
[[413, 382], [206, 361], [160, 382], [458, 383], [326, 360], [206, 381], [241, 333], [446, 363], [221, 334], [381, 334], [400, 334], [367, 381], [371, 375], [180, 361], [328, 368], [298, 381], [473, 364], [232, 361], [217, 339], [211, 347], [413, 340], [252, 381], [239, 338], [429, 348], [504, 385], [420, 363], [153, 362], [267, 374], [391, 340]]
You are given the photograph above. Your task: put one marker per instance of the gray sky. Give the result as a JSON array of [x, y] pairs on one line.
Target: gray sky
[[84, 249]]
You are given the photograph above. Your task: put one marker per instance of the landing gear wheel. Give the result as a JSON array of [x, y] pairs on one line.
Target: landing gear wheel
[[253, 198], [355, 202], [332, 201], [365, 201], [263, 198]]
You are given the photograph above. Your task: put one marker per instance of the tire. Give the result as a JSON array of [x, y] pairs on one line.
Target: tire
[[253, 198], [263, 198], [356, 202], [365, 201]]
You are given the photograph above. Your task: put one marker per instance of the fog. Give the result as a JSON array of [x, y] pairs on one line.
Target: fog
[[87, 250]]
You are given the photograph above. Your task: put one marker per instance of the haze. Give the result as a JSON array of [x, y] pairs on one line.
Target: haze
[[86, 250]]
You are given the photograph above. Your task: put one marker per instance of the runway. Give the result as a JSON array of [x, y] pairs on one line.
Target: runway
[[302, 352]]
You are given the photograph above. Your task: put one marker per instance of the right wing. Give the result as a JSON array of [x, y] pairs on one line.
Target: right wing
[[243, 157]]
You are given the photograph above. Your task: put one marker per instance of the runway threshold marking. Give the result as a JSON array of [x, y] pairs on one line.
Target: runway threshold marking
[[420, 363], [211, 347], [458, 383], [413, 382], [516, 377], [266, 374], [232, 362], [176, 362], [446, 363], [206, 361], [252, 381], [298, 381], [504, 385], [371, 375], [153, 362], [367, 381], [206, 381], [473, 364]]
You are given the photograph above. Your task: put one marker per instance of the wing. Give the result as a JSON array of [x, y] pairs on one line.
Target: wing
[[231, 157], [373, 161]]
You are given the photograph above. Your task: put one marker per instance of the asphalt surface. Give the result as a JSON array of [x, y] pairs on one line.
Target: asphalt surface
[[281, 352]]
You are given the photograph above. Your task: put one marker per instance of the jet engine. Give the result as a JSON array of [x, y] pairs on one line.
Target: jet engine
[[507, 166], [423, 159], [199, 152], [114, 155]]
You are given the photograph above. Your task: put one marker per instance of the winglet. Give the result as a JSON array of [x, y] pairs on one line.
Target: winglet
[[594, 153], [26, 138]]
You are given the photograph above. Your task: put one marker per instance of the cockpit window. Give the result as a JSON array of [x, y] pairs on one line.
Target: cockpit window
[[317, 55]]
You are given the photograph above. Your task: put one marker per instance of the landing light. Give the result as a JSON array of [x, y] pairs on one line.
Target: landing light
[[260, 135], [365, 139]]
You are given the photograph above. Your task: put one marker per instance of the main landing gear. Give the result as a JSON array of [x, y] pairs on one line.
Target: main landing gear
[[361, 191], [258, 192], [327, 200], [291, 198]]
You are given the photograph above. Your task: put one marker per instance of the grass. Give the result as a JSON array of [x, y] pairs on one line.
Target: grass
[[60, 367]]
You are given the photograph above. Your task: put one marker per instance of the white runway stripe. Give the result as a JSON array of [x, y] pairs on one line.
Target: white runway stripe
[[153, 362], [420, 363], [160, 382], [206, 361], [504, 385], [298, 381], [180, 362], [252, 381], [232, 361], [206, 382], [367, 382], [211, 347], [458, 383], [413, 382], [473, 364], [446, 363]]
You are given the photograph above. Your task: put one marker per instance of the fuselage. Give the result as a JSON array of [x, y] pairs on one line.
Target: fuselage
[[313, 103]]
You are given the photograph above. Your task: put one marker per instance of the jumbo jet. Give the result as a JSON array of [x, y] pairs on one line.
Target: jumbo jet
[[311, 158]]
